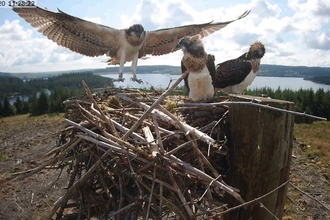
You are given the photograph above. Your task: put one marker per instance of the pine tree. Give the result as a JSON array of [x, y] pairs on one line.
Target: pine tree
[[1, 109], [42, 103], [6, 107], [25, 109], [18, 105], [33, 104]]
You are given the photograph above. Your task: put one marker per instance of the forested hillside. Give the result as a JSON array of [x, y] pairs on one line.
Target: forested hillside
[[15, 86], [265, 70], [306, 100], [61, 87], [319, 79], [5, 74], [292, 71]]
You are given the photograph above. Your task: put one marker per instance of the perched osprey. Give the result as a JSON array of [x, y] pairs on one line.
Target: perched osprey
[[122, 45], [234, 76], [200, 66]]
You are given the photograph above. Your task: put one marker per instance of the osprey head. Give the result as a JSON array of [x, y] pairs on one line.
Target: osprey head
[[183, 44], [256, 51], [135, 29], [191, 44]]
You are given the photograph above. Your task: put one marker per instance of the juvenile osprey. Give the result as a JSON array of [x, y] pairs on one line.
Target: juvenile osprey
[[200, 66], [122, 45], [234, 76]]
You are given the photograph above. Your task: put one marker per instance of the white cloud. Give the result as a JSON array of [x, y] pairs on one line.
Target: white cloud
[[12, 31], [294, 32], [20, 52], [95, 20]]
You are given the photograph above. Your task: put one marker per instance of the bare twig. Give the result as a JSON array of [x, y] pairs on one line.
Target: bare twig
[[253, 104], [309, 196], [162, 116], [158, 101], [151, 191], [272, 214], [250, 202]]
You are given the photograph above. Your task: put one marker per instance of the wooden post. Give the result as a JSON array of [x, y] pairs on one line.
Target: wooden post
[[260, 147]]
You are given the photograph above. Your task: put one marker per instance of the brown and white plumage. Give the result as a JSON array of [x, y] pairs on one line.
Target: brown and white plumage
[[122, 45], [234, 76], [200, 66]]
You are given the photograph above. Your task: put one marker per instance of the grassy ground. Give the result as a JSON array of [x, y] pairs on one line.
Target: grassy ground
[[24, 140], [19, 119], [310, 173], [317, 138]]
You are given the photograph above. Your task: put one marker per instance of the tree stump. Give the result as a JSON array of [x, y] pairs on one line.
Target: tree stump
[[260, 155]]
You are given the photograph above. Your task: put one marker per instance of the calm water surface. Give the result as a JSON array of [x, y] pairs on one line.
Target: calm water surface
[[162, 81]]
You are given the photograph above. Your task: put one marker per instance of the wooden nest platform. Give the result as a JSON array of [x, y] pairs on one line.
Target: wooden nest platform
[[135, 154], [126, 161]]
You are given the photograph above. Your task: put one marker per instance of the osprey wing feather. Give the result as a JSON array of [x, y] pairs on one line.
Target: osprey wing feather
[[122, 45], [163, 41], [235, 75], [76, 34]]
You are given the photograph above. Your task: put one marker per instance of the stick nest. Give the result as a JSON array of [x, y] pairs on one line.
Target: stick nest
[[168, 167]]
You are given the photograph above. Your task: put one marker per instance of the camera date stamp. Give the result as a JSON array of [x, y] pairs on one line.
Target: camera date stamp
[[23, 4]]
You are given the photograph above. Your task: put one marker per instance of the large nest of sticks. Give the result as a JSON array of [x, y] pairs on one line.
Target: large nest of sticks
[[131, 153]]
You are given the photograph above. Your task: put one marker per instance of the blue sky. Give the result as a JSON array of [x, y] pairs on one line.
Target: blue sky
[[294, 32]]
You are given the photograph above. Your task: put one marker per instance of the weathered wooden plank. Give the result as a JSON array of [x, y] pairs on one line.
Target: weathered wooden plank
[[260, 155]]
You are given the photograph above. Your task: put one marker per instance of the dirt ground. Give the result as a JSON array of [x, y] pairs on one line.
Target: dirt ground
[[308, 197], [24, 142]]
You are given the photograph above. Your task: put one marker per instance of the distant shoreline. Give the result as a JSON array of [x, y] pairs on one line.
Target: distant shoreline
[[265, 70]]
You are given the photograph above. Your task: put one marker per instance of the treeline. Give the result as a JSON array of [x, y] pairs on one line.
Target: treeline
[[292, 71], [14, 86], [319, 79], [306, 100], [39, 103]]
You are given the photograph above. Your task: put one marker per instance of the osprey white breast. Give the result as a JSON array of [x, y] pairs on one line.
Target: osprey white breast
[[239, 88], [200, 84]]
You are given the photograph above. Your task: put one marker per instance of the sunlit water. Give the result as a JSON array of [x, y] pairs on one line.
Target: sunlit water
[[162, 81]]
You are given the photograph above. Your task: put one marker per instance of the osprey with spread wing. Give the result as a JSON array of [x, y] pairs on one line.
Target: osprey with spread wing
[[121, 45]]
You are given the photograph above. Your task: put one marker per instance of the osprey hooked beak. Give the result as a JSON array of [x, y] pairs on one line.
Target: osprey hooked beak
[[136, 29], [182, 43]]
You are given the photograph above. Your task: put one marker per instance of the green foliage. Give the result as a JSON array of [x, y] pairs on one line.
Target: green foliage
[[61, 88], [42, 105], [1, 109], [71, 80], [319, 79], [4, 156], [12, 110], [11, 85], [291, 71], [33, 104], [18, 105], [25, 109], [306, 100], [6, 111], [15, 86]]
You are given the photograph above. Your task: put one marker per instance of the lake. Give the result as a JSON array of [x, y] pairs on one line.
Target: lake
[[23, 97], [162, 81]]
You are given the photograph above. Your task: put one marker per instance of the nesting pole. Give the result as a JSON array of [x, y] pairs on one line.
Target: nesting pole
[[260, 155]]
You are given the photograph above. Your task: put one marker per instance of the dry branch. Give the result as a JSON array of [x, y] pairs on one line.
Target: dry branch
[[225, 103], [200, 135], [128, 156]]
